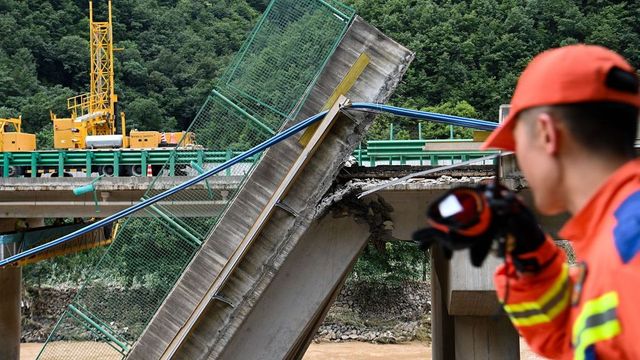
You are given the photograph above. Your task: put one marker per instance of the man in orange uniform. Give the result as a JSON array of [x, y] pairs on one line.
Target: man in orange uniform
[[572, 125]]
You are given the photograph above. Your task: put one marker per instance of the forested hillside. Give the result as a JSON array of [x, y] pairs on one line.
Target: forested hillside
[[468, 53], [172, 51]]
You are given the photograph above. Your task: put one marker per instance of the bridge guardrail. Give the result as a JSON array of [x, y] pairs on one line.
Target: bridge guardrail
[[377, 152]]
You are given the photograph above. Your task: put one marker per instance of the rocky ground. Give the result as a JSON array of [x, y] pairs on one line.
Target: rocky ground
[[364, 311], [377, 312]]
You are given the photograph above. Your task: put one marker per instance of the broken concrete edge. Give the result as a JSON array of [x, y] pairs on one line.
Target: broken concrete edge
[[356, 186]]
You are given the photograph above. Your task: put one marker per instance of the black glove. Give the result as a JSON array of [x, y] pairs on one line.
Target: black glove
[[473, 217], [521, 233]]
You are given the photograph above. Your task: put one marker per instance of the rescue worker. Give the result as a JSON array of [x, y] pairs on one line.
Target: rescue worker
[[572, 124]]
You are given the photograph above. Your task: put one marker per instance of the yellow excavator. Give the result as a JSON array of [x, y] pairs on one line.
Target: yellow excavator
[[92, 123]]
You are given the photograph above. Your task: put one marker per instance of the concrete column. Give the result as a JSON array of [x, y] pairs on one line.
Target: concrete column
[[10, 313], [442, 325], [10, 290], [485, 338], [466, 322]]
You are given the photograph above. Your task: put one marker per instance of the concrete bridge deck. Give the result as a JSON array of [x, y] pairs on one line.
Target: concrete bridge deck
[[53, 197]]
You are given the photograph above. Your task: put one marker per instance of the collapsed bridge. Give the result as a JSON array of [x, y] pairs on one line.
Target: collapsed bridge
[[264, 250]]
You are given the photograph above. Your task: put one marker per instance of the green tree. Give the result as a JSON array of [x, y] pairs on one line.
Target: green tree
[[146, 114]]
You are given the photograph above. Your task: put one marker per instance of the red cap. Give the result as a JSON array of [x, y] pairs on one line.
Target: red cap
[[566, 75]]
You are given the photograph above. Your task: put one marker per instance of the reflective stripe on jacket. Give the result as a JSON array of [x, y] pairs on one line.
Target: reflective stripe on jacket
[[591, 310]]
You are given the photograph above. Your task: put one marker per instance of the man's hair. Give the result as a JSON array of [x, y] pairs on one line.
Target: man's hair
[[602, 127]]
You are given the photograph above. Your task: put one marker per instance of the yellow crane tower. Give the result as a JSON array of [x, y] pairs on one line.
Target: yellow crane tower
[[93, 115]]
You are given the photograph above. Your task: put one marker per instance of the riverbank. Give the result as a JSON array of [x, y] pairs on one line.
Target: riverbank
[[351, 350]]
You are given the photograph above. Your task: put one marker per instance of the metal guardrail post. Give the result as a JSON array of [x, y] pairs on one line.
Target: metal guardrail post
[[172, 164], [227, 157], [116, 163], [61, 158], [143, 162], [200, 157], [34, 164], [88, 162]]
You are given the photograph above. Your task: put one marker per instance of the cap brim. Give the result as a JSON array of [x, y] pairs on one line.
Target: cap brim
[[502, 137]]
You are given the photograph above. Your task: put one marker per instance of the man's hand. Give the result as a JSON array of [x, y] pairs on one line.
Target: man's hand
[[521, 235]]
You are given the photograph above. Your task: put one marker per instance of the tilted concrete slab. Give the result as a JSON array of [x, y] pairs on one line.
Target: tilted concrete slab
[[220, 322], [295, 299]]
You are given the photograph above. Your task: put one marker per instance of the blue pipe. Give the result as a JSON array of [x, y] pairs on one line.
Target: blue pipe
[[446, 119], [425, 115]]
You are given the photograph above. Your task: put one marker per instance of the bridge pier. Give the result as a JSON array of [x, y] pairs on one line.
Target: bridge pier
[[10, 313], [11, 288], [466, 320]]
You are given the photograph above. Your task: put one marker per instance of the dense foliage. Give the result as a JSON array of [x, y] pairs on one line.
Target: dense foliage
[[467, 52], [172, 51], [468, 55]]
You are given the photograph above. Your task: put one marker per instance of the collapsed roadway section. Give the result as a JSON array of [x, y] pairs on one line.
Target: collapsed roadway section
[[261, 283]]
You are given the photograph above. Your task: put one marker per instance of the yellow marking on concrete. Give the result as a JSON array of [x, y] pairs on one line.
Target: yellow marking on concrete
[[342, 89], [480, 135]]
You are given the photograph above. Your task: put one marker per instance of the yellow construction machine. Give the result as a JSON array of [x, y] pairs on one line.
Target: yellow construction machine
[[12, 138], [93, 115]]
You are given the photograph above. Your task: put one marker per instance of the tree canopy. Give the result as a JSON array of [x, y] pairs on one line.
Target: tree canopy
[[468, 53]]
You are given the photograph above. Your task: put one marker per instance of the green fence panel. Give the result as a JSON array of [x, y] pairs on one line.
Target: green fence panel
[[263, 86]]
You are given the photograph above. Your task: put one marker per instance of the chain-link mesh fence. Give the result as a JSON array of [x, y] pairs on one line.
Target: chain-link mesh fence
[[263, 86]]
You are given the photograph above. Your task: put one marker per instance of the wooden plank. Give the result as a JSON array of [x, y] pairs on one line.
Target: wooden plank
[[266, 213], [342, 89]]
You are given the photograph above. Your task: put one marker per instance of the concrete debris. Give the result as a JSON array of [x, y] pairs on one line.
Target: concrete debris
[[355, 186], [373, 210]]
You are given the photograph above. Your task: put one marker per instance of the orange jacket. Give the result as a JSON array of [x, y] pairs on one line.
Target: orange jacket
[[591, 311]]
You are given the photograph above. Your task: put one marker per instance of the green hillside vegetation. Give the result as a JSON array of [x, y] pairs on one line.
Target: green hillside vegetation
[[468, 53]]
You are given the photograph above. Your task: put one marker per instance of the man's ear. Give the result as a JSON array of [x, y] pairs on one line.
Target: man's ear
[[548, 133]]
